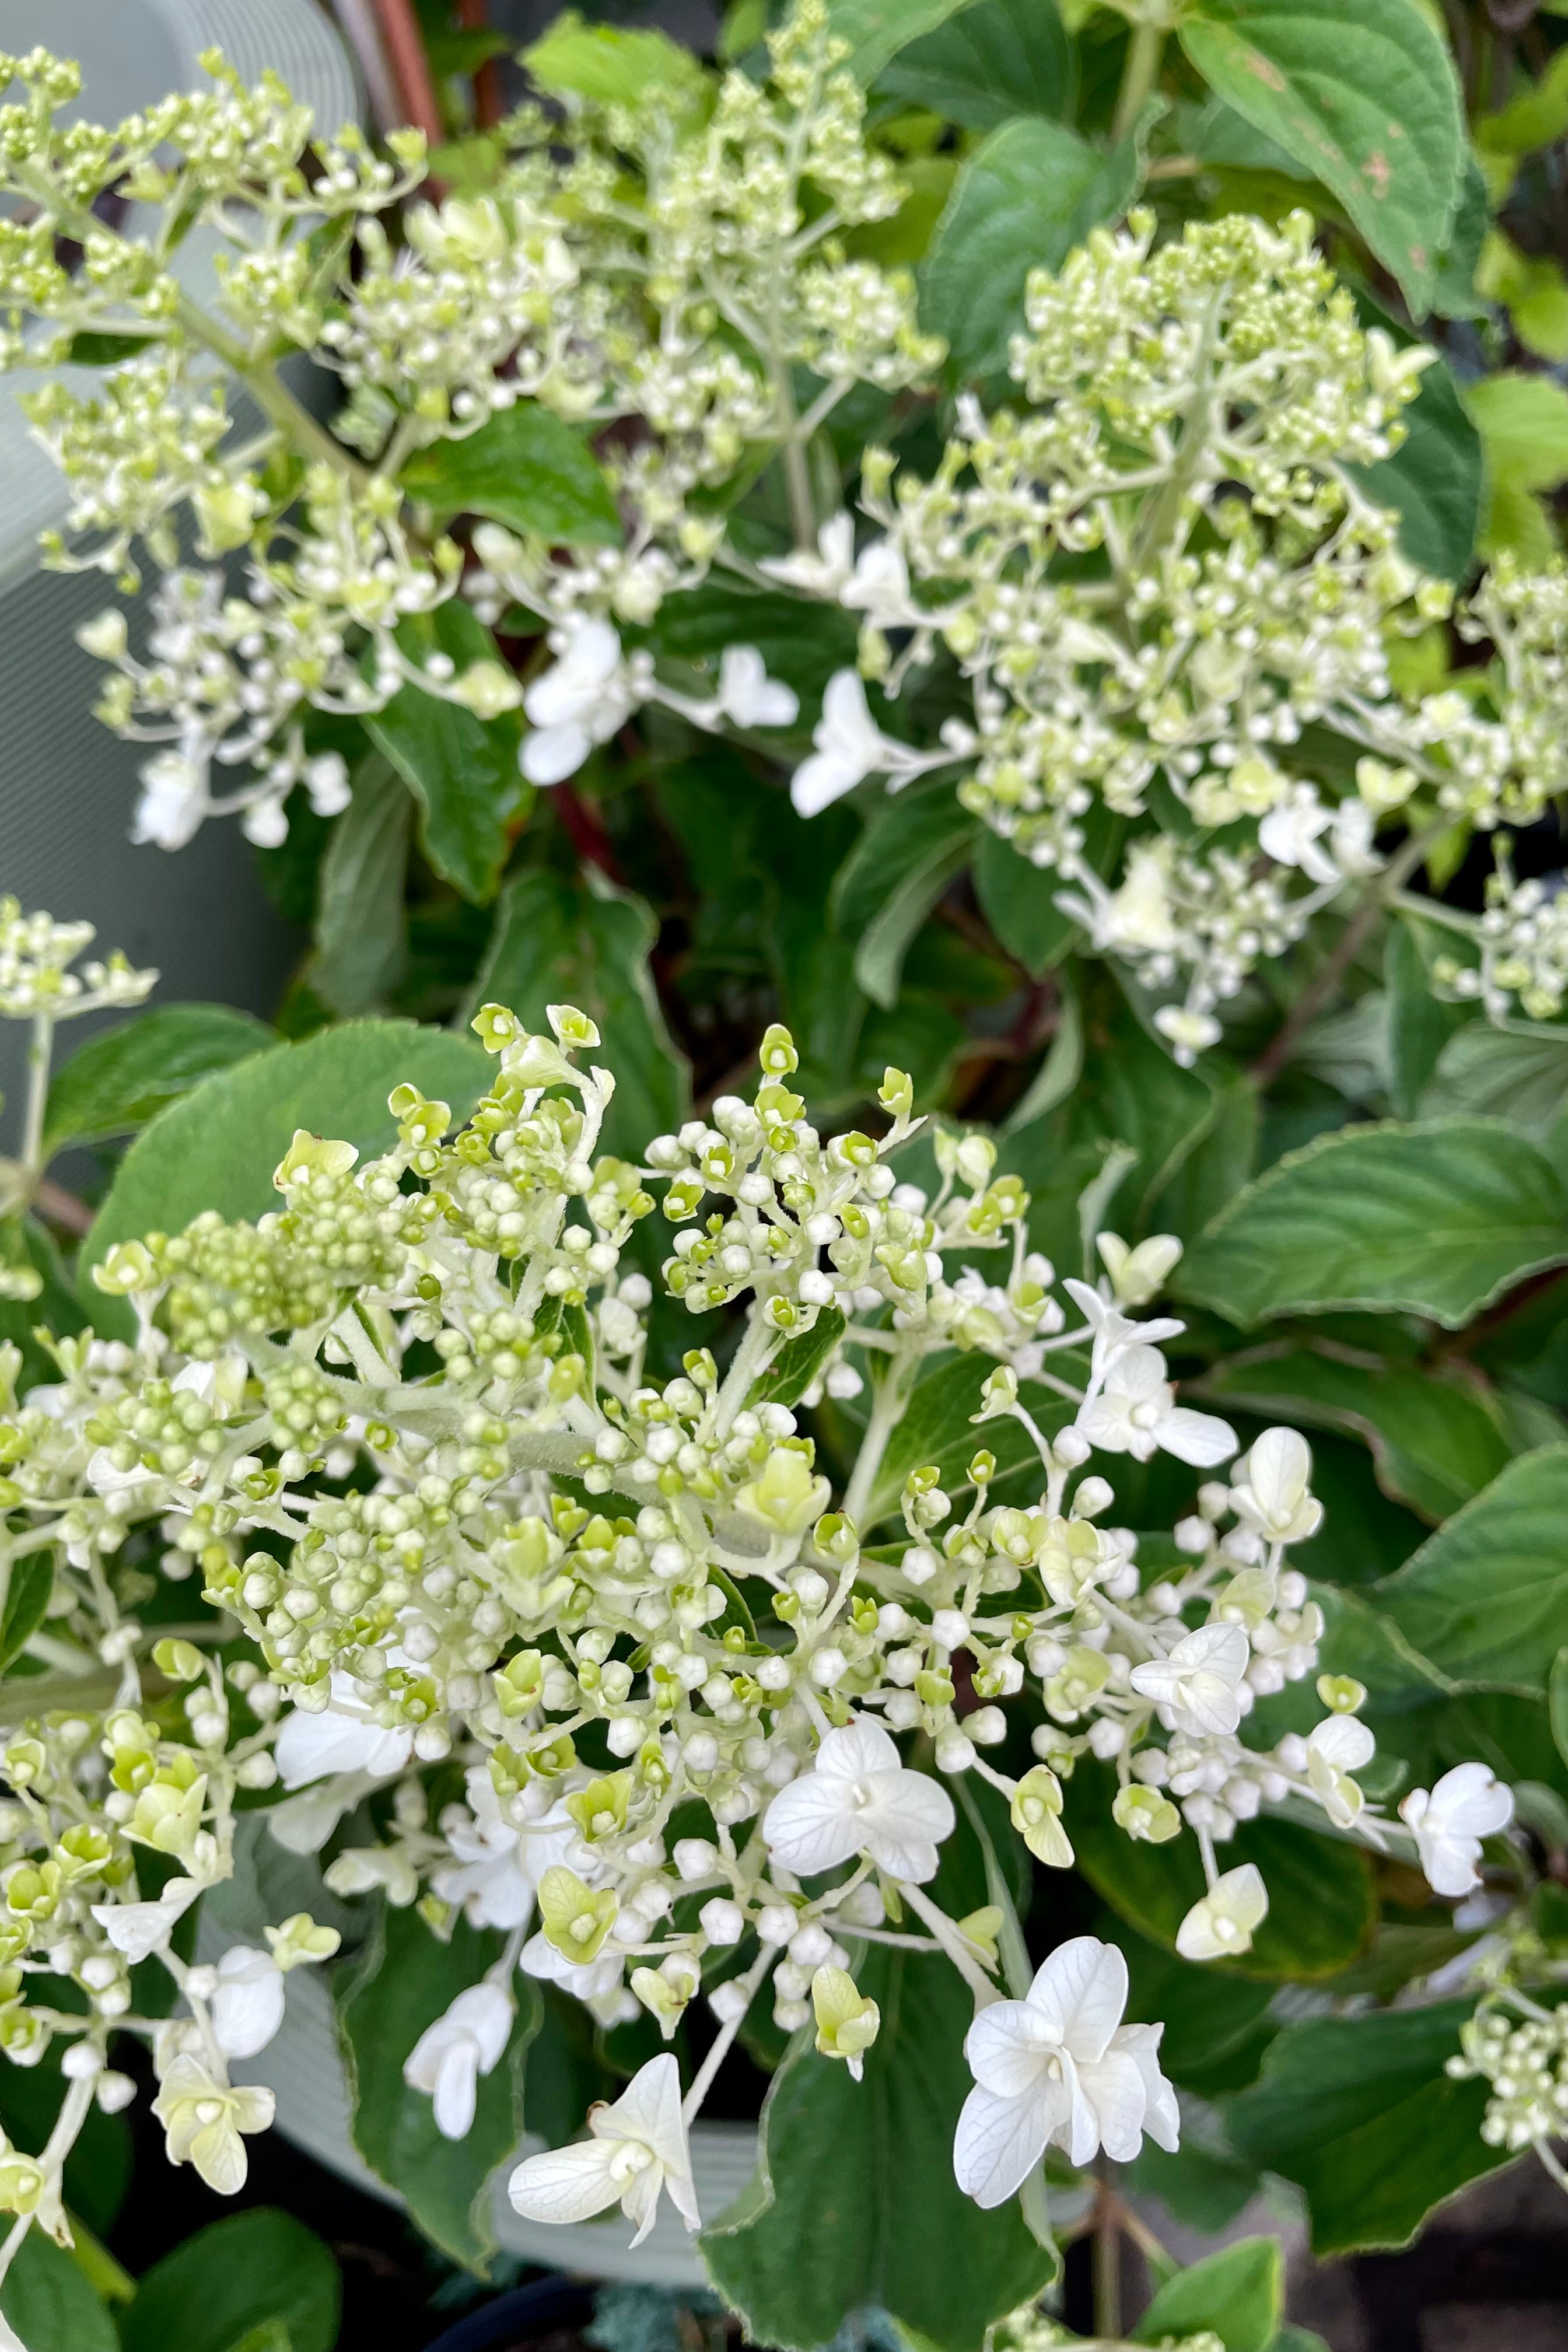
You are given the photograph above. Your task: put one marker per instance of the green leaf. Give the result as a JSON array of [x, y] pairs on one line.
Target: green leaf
[[527, 468], [1030, 192], [797, 1363], [861, 2174], [801, 643], [31, 1583], [402, 1982], [1321, 1904], [48, 2302], [1438, 1218], [1487, 1072], [1217, 2027], [1537, 118], [1436, 1440], [216, 1147], [892, 879], [812, 967], [1557, 1703], [361, 923], [1366, 98], [1523, 425], [90, 349], [1419, 1023], [1238, 2292], [1435, 479], [1360, 2113], [558, 942], [217, 2290], [612, 68], [876, 30], [1019, 900], [461, 769], [935, 1428], [988, 63], [1485, 1599], [127, 1075]]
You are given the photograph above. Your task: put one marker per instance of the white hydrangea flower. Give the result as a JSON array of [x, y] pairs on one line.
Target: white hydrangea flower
[[1221, 1925], [500, 1863], [1059, 2065], [1136, 1411], [343, 1737], [1270, 1490], [246, 2003], [636, 2147], [860, 1799], [1195, 1685], [466, 2041], [1337, 1748], [582, 700], [1467, 1804]]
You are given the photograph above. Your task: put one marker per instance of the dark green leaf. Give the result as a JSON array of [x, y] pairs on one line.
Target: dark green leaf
[[216, 1148], [1204, 2188], [1484, 1072], [1239, 2294], [127, 1076], [1360, 2112], [237, 2277], [989, 62], [861, 2175], [90, 349], [876, 30], [361, 927], [1485, 1599], [1366, 99], [402, 1982], [1029, 192], [1434, 478], [1019, 899], [1437, 1218], [1419, 1023], [1321, 1904], [1437, 1441], [48, 2300], [797, 1363], [56, 1308], [32, 1580], [1217, 2028], [935, 1429], [98, 2169], [527, 468], [893, 876], [461, 769], [801, 643], [559, 942]]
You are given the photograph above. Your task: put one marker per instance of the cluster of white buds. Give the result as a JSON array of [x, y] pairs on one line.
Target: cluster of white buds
[[369, 1420], [675, 285], [37, 985], [1162, 578], [1525, 2060], [1522, 936]]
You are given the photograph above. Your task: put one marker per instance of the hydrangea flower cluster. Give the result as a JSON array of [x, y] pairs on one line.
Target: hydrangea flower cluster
[[1524, 2057], [406, 1430], [1161, 584], [1174, 601], [1522, 942], [672, 285]]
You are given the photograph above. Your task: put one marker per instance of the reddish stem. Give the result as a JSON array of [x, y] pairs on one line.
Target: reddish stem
[[410, 66]]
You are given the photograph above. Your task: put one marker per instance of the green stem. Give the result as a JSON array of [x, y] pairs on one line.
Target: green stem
[[1139, 75], [1108, 2256], [40, 1048], [271, 395], [887, 1409]]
